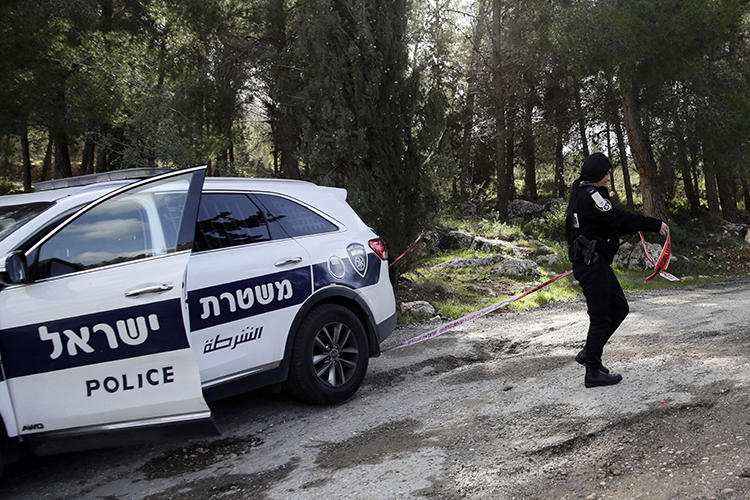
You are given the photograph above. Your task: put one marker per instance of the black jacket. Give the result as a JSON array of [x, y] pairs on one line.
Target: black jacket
[[591, 214]]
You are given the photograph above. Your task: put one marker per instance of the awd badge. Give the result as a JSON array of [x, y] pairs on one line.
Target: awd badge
[[358, 258]]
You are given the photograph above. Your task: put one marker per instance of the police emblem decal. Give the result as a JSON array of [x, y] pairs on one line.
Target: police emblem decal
[[601, 203], [336, 267], [358, 258]]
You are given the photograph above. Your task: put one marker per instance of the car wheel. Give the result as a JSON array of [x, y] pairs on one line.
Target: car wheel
[[329, 356]]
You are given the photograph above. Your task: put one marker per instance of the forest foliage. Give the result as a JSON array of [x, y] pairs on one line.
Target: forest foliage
[[412, 105]]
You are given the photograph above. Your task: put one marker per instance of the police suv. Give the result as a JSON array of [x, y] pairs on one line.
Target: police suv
[[127, 303]]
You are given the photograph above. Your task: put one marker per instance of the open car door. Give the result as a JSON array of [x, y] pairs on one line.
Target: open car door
[[94, 340]]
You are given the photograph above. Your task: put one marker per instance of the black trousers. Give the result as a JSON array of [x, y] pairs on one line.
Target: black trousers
[[607, 306]]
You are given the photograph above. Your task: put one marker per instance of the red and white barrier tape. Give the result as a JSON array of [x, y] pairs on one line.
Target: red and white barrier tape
[[407, 249], [660, 266], [445, 327]]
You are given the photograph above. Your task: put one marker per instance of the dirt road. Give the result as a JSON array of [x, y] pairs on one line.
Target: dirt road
[[496, 409]]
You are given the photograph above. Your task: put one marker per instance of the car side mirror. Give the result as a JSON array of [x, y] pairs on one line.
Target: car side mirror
[[16, 267]]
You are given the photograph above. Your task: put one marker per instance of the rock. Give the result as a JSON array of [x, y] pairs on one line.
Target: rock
[[747, 236], [429, 244], [456, 239], [518, 268], [459, 262], [549, 259], [631, 256], [541, 247], [481, 289], [498, 246], [420, 309], [735, 229], [524, 209]]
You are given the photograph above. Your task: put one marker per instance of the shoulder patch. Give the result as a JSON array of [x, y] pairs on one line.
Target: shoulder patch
[[601, 203]]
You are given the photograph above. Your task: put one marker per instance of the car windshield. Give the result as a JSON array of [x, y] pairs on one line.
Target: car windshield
[[14, 216]]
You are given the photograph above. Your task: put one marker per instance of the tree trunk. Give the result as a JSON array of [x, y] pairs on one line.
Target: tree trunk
[[47, 162], [609, 155], [694, 148], [528, 147], [727, 196], [653, 197], [613, 114], [623, 157], [468, 112], [667, 176], [503, 191], [745, 189], [712, 195], [580, 118], [559, 164], [26, 160], [87, 157], [687, 181], [62, 156], [284, 127], [287, 137], [100, 165], [510, 149]]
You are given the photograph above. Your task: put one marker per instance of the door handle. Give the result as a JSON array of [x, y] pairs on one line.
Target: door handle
[[288, 260], [149, 289]]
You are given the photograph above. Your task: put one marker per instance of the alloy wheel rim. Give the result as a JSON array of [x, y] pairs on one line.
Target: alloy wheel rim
[[335, 354]]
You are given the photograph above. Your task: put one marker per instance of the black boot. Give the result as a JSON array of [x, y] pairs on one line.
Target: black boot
[[581, 359], [596, 378]]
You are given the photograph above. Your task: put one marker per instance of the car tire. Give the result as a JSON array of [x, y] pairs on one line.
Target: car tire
[[329, 356]]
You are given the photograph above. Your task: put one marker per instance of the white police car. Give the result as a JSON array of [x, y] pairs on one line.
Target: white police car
[[127, 304]]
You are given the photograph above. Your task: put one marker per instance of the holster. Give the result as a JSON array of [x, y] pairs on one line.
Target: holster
[[583, 249]]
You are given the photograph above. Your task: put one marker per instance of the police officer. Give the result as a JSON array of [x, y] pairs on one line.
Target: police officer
[[593, 227]]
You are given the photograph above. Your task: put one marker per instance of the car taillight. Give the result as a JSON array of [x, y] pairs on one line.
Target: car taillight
[[378, 246]]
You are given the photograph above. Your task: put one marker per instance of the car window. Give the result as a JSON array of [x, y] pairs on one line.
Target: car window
[[14, 216], [228, 219], [293, 217], [114, 231]]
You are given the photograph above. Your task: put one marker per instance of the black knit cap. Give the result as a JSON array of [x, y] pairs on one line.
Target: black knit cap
[[595, 167]]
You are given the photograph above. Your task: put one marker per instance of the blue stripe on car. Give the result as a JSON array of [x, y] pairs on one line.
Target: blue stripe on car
[[227, 302], [93, 338]]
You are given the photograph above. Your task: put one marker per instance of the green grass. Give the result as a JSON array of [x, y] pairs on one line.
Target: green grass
[[485, 227]]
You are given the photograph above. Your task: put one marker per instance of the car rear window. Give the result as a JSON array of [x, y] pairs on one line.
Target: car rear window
[[293, 217], [14, 216], [228, 219]]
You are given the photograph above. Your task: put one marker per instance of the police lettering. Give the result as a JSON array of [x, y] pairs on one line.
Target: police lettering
[[128, 382]]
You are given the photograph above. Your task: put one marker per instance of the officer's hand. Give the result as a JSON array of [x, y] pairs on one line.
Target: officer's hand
[[664, 229]]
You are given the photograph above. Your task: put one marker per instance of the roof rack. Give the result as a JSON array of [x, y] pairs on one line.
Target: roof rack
[[114, 175]]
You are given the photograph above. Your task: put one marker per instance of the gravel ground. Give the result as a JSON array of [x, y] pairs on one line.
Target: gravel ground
[[494, 409]]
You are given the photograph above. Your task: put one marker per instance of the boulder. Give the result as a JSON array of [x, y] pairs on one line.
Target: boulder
[[540, 247], [548, 259], [429, 244], [420, 309], [456, 239], [460, 262], [524, 209], [518, 268], [739, 231], [498, 246], [631, 256], [481, 289]]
